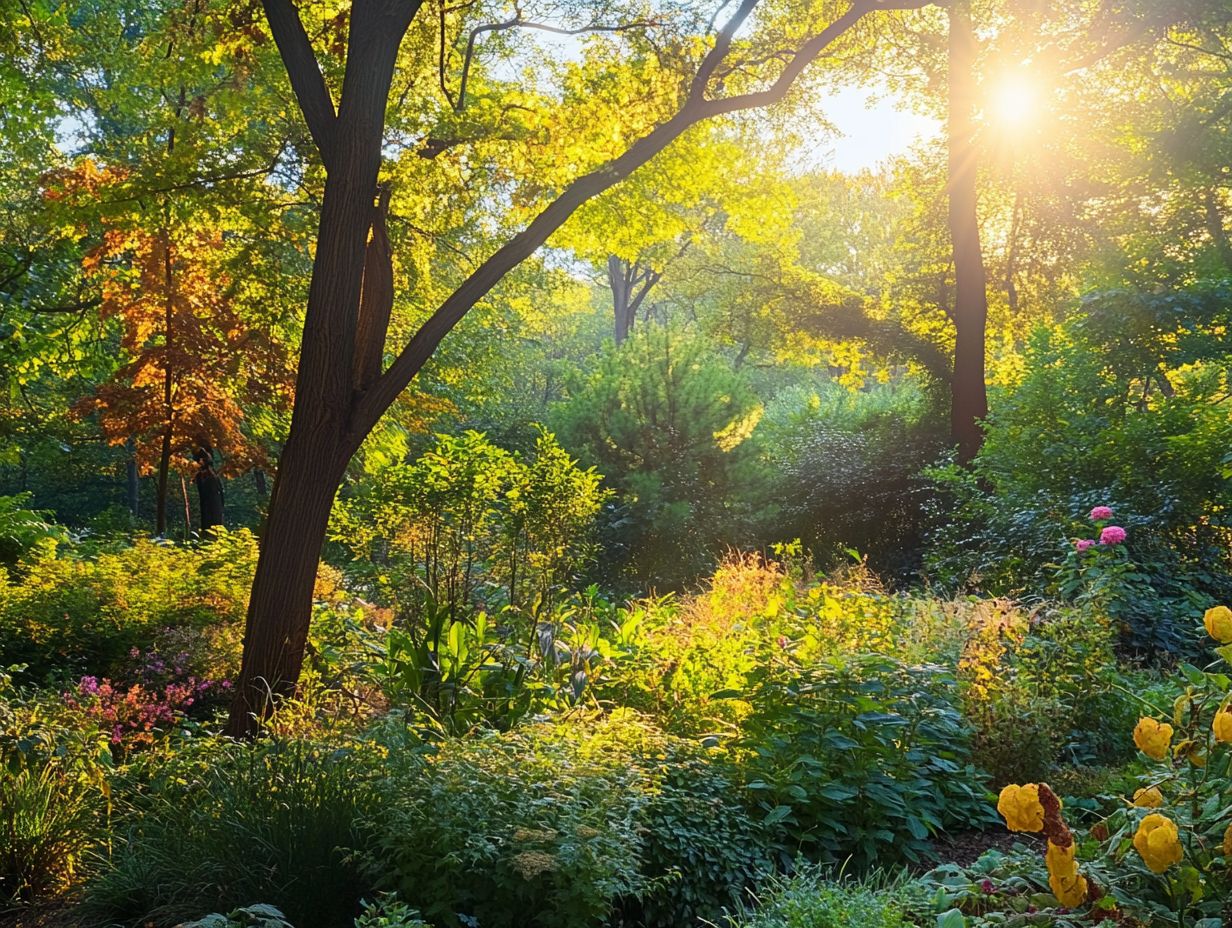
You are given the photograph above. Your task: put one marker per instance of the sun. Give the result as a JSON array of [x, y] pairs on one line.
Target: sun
[[1014, 101]]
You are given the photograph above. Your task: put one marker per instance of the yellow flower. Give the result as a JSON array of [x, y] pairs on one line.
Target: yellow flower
[[1149, 798], [1153, 737], [1068, 885], [1021, 807], [1222, 726], [1158, 841], [1227, 842], [1218, 622]]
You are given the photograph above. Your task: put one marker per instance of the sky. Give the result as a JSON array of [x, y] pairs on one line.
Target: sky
[[872, 131]]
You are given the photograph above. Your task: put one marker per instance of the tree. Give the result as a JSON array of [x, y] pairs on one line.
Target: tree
[[334, 410]]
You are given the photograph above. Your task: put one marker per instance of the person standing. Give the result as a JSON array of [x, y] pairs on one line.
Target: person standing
[[209, 489]]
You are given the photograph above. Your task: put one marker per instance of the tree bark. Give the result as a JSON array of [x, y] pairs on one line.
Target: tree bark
[[968, 390], [131, 475]]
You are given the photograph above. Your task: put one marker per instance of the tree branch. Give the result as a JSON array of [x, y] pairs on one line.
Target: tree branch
[[307, 81], [519, 23], [370, 405]]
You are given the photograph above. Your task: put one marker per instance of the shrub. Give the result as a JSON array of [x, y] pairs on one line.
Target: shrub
[[533, 827], [859, 757], [222, 824], [666, 421], [1122, 406], [846, 465], [1164, 854], [72, 615], [21, 528], [469, 525], [53, 771], [701, 851]]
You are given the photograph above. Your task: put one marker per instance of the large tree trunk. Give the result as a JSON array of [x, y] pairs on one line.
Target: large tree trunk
[[968, 392], [320, 443]]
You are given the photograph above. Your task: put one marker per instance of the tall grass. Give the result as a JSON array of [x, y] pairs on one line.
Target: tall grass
[[227, 826]]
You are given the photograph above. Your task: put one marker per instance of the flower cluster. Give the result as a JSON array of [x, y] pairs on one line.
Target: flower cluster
[[1034, 807], [1108, 534], [135, 714]]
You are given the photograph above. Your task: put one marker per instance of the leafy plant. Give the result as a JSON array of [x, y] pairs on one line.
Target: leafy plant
[[859, 757]]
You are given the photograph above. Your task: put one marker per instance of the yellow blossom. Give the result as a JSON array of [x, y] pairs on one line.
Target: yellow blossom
[[1149, 798], [1153, 737], [1218, 622], [1020, 805], [1222, 726], [1068, 885], [1158, 841], [1227, 842]]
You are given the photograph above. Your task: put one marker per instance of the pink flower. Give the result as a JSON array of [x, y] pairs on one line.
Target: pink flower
[[1083, 544], [1101, 514], [1112, 535]]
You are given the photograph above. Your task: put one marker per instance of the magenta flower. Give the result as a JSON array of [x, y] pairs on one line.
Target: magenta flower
[[1083, 544], [1112, 535], [1101, 514]]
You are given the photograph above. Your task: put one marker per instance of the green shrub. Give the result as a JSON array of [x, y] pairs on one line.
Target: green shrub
[[859, 757], [222, 824], [21, 528], [1122, 406], [538, 826], [847, 464], [701, 851], [666, 421], [70, 614], [808, 899]]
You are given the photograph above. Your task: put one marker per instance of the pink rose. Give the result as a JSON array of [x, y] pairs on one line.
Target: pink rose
[[1101, 514], [1112, 535], [1083, 544]]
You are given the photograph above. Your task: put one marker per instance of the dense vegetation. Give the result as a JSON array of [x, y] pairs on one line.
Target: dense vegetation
[[628, 519]]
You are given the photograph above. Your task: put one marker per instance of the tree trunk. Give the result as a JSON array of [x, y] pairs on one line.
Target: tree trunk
[[968, 391], [132, 485], [320, 443], [280, 607], [1215, 228], [164, 468], [618, 280]]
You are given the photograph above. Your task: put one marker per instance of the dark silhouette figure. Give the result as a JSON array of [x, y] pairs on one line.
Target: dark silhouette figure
[[209, 489]]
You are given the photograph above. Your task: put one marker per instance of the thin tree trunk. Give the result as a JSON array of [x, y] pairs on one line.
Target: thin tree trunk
[[164, 468], [187, 508], [1215, 228], [132, 484], [968, 391]]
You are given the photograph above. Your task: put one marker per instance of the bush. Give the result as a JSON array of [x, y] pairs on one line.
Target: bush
[[667, 421], [53, 772], [223, 823], [846, 466], [859, 757], [538, 826], [70, 615], [1122, 406], [701, 852], [469, 525]]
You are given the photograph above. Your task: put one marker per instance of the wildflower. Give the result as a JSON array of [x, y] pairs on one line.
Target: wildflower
[[1222, 726], [1158, 841], [1218, 622], [1101, 514], [1153, 737], [1084, 544], [1020, 805], [1112, 535], [1149, 798], [1067, 884]]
